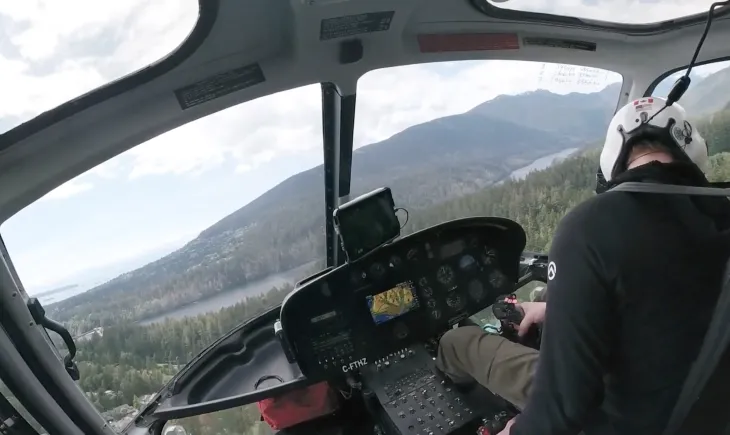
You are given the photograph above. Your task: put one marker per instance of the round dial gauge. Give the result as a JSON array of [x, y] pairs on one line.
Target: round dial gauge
[[436, 314], [427, 291], [455, 302], [445, 275], [423, 282], [476, 290], [467, 262], [357, 277], [412, 254], [497, 278], [400, 330], [377, 270], [431, 303], [489, 256]]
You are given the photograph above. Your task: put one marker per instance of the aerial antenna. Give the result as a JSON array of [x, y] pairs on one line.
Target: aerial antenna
[[682, 84]]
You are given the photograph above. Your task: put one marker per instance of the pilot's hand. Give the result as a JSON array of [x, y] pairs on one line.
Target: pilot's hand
[[508, 427], [534, 314]]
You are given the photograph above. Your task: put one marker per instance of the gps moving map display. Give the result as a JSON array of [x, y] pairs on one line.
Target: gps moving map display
[[366, 223], [393, 303]]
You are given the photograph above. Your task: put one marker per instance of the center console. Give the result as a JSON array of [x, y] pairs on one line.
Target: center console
[[366, 321], [415, 398]]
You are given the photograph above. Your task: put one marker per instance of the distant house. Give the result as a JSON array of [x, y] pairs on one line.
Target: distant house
[[87, 336]]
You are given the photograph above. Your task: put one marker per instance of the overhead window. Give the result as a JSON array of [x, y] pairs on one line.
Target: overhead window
[[707, 102], [54, 51], [615, 11]]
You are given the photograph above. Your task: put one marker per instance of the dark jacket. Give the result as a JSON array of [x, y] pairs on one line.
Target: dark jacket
[[636, 277]]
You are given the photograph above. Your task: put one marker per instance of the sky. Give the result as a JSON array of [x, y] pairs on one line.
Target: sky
[[161, 194]]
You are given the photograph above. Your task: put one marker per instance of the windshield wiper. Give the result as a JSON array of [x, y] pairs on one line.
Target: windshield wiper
[[39, 316]]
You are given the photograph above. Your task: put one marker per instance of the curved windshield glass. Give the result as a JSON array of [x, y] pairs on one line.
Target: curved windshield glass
[[466, 147], [54, 51], [153, 255], [616, 11]]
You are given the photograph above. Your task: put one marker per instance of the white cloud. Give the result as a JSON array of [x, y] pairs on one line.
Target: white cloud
[[147, 31], [68, 189], [621, 11]]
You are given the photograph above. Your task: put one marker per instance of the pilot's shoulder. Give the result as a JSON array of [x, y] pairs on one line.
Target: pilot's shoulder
[[600, 211]]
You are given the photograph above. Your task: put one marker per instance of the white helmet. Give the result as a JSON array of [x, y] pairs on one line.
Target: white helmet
[[667, 125]]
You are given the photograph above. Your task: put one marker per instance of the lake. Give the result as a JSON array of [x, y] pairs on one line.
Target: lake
[[231, 297], [540, 164]]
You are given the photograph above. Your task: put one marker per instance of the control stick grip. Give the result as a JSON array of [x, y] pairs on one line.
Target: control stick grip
[[510, 315], [508, 312]]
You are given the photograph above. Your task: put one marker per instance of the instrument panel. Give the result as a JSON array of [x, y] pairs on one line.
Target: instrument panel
[[403, 293]]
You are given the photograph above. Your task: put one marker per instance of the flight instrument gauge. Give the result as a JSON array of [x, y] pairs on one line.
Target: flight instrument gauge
[[412, 254], [476, 290], [455, 302], [497, 278], [445, 275], [377, 270], [467, 262], [489, 256], [436, 314]]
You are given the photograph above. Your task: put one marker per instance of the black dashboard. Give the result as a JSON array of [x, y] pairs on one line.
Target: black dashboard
[[404, 293]]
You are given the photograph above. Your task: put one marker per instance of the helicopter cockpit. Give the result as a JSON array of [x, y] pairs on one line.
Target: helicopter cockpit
[[366, 327], [370, 327]]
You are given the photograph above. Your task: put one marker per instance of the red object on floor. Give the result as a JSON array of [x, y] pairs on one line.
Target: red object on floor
[[299, 406]]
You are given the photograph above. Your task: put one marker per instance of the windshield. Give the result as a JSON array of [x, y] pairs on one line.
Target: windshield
[[159, 234], [53, 51], [616, 11]]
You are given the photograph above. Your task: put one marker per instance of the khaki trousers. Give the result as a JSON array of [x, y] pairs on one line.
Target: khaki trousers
[[505, 368]]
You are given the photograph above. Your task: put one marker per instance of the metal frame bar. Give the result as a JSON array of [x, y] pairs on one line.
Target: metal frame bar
[[31, 343], [26, 387], [338, 122]]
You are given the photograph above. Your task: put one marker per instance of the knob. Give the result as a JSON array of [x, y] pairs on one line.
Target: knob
[[458, 400], [398, 392], [421, 405], [440, 396], [411, 410], [458, 414], [440, 411], [378, 367], [430, 416], [420, 420], [451, 422], [387, 364], [402, 414], [404, 399]]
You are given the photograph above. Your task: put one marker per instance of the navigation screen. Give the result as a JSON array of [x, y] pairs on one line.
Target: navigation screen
[[393, 303], [367, 223]]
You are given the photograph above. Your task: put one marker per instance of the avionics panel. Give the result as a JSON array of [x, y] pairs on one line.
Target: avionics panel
[[404, 293]]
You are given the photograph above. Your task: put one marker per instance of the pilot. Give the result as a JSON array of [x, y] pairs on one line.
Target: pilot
[[633, 280]]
